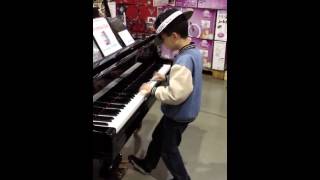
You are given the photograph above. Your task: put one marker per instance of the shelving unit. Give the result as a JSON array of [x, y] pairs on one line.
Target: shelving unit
[[215, 73]]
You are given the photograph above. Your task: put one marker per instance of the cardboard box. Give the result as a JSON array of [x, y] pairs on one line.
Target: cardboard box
[[205, 47], [221, 26], [219, 54], [212, 4]]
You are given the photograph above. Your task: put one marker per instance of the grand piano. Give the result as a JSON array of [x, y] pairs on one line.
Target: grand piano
[[118, 106]]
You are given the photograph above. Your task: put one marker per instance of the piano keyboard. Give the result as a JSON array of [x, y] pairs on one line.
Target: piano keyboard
[[117, 107]]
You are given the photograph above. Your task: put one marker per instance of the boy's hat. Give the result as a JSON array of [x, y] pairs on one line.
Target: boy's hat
[[168, 16]]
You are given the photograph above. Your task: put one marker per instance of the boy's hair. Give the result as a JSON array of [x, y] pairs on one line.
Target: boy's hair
[[178, 25]]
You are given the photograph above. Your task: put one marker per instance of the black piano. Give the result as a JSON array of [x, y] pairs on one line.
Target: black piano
[[118, 107]]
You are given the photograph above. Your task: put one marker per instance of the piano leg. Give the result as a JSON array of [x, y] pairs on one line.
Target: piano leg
[[116, 171]]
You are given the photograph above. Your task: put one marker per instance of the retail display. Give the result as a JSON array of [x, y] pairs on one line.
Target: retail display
[[205, 47], [207, 27], [202, 23]]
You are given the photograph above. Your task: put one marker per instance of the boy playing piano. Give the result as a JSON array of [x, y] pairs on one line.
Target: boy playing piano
[[180, 100]]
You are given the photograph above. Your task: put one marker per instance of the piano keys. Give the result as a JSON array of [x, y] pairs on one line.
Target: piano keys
[[129, 98]]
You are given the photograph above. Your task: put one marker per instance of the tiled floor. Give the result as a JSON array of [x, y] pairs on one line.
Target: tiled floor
[[204, 143]]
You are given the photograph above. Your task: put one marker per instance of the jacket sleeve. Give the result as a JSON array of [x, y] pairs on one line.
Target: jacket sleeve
[[179, 88]]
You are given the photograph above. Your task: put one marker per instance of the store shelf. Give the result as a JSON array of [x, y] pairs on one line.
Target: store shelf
[[215, 73]]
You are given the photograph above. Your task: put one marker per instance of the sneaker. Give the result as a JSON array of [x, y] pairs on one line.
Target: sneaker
[[138, 165]]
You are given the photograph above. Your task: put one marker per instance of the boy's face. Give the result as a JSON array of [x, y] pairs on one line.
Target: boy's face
[[170, 41]]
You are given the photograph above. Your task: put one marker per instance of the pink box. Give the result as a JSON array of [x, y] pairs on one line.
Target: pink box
[[212, 4], [202, 23], [221, 26], [219, 55], [187, 3], [205, 47]]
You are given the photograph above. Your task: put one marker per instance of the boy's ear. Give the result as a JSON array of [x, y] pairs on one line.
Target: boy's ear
[[175, 35]]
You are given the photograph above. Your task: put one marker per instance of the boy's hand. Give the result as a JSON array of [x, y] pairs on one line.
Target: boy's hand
[[158, 77], [145, 88]]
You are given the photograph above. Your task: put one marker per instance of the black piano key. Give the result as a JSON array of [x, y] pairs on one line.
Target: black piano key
[[123, 101], [111, 112], [100, 123], [99, 104], [98, 107], [121, 98], [99, 128], [115, 106], [97, 110], [107, 106], [102, 107], [102, 118], [120, 94], [111, 104]]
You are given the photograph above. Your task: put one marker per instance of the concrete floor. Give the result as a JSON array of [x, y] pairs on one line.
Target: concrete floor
[[204, 143]]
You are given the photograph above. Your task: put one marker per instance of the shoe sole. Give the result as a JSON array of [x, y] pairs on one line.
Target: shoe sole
[[138, 168]]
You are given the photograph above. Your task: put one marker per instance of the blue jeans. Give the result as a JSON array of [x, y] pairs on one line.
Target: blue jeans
[[165, 141]]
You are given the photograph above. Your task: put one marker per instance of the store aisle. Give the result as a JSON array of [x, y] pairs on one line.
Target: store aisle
[[204, 143]]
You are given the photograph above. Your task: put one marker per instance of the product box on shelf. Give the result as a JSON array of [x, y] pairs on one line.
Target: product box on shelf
[[205, 47], [187, 3], [164, 2], [202, 23], [221, 26], [212, 4], [219, 55]]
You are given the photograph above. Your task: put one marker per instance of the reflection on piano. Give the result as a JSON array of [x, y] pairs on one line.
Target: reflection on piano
[[118, 106]]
